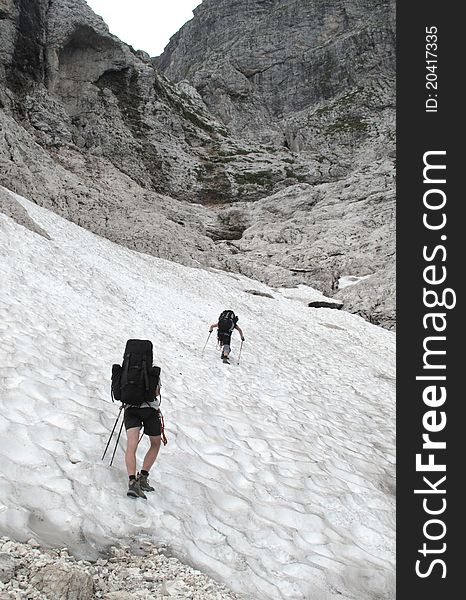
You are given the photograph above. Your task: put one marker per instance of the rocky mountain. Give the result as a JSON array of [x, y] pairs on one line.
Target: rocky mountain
[[261, 141], [317, 78]]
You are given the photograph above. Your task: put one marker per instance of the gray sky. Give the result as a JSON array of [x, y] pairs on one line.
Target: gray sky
[[145, 24]]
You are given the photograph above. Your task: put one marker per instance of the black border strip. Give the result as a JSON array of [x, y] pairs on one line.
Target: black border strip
[[418, 132]]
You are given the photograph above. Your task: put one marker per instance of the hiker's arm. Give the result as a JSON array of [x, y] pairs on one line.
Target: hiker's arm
[[213, 326], [240, 331]]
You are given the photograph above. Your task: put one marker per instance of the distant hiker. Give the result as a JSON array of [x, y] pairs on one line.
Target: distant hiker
[[227, 323], [137, 385]]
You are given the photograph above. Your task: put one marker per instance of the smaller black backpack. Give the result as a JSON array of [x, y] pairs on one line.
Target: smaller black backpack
[[227, 321], [135, 381]]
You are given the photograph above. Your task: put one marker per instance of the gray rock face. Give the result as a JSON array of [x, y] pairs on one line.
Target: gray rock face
[[256, 63], [267, 151]]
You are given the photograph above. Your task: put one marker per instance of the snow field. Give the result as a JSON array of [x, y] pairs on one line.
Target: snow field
[[278, 477]]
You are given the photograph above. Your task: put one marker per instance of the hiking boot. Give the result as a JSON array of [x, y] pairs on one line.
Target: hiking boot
[[144, 483], [134, 490]]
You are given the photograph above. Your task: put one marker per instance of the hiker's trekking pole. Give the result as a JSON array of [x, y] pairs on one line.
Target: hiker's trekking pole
[[116, 445], [239, 355], [208, 337], [111, 435]]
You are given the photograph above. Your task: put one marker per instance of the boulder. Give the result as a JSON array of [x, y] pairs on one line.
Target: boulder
[[64, 580], [8, 566]]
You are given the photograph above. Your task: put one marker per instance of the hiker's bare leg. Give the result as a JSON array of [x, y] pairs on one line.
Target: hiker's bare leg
[[151, 455], [132, 436]]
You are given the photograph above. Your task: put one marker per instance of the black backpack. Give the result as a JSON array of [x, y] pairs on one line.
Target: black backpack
[[227, 321], [135, 381]]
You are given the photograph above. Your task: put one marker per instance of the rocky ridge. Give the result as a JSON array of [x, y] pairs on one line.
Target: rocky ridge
[[201, 164]]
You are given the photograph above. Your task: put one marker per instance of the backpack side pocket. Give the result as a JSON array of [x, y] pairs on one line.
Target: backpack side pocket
[[116, 382]]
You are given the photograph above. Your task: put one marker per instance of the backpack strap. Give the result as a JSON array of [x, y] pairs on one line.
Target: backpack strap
[[144, 374], [124, 375]]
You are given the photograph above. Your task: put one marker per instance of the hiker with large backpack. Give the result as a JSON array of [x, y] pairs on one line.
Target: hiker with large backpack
[[226, 324], [136, 383]]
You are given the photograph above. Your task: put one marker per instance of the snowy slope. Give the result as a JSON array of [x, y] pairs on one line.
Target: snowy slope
[[278, 478]]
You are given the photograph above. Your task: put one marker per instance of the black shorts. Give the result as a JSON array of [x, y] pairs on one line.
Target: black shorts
[[224, 338], [147, 417]]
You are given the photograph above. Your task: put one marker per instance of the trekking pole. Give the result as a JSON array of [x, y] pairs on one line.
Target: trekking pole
[[239, 355], [111, 435], [210, 333], [118, 439]]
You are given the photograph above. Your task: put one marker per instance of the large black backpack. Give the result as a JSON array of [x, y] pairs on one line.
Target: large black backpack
[[227, 321], [135, 381]]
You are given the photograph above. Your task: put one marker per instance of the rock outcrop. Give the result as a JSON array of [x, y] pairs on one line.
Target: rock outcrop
[[264, 147]]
